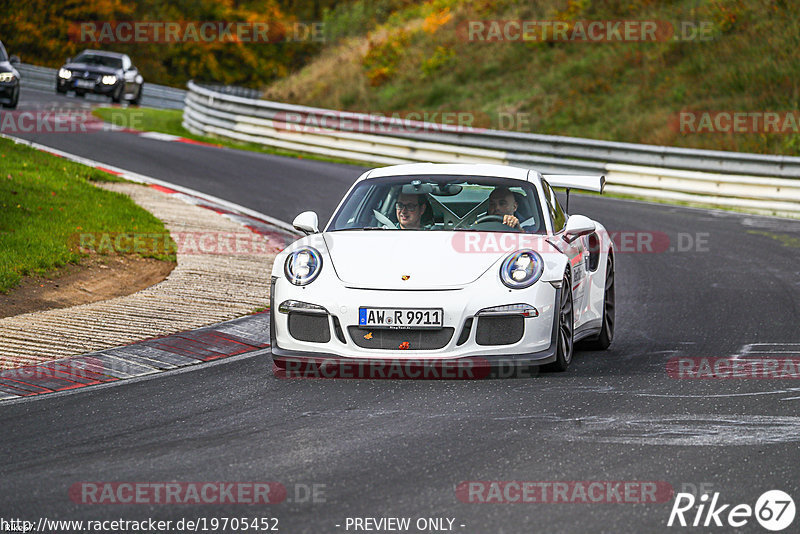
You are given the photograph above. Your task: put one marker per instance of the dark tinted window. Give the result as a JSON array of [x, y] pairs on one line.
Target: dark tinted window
[[450, 203], [97, 59]]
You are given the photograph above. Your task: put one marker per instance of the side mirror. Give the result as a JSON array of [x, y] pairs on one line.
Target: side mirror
[[307, 222], [577, 226], [13, 60]]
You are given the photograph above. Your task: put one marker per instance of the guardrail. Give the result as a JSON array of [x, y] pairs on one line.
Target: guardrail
[[153, 96], [760, 183]]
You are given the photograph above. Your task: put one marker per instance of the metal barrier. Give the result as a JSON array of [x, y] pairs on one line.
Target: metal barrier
[[761, 183], [153, 96]]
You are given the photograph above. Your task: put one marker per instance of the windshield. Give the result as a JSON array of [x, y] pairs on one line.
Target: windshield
[[436, 203], [97, 59], [3, 55]]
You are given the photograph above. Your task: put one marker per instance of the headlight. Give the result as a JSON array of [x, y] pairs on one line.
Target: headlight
[[6, 76], [109, 79], [303, 266], [521, 269], [64, 73]]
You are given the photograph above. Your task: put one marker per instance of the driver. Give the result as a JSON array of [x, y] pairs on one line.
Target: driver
[[503, 203], [409, 209]]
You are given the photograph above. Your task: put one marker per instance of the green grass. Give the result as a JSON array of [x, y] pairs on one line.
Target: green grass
[[416, 60], [783, 239], [45, 202], [169, 121]]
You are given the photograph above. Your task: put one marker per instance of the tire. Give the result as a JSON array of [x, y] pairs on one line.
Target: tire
[[606, 335], [138, 99], [565, 341], [14, 101], [80, 94], [60, 91]]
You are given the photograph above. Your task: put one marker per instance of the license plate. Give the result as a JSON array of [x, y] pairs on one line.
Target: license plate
[[87, 84], [400, 317]]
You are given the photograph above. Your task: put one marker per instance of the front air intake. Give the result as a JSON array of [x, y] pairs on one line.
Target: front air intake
[[313, 328], [499, 330]]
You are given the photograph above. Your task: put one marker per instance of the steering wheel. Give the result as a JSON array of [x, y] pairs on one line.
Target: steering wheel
[[489, 218], [383, 219]]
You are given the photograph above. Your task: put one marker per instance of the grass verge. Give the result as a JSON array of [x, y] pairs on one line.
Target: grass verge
[[46, 202]]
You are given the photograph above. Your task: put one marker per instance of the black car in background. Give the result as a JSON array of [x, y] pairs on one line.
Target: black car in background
[[101, 73], [9, 79]]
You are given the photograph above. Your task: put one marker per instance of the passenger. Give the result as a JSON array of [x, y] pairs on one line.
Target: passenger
[[410, 209]]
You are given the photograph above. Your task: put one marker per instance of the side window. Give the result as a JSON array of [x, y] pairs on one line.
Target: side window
[[556, 213]]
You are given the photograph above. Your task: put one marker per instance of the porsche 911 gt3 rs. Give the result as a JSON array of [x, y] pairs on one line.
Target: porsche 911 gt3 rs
[[440, 262]]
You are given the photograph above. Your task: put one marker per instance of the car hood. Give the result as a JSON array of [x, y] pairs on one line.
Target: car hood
[[101, 69], [5, 66], [380, 259]]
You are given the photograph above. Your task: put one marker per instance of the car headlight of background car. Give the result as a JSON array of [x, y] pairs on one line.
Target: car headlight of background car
[[303, 266], [109, 79], [64, 73], [521, 269], [6, 76]]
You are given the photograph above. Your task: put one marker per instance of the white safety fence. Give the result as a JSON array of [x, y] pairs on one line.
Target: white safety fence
[[760, 183]]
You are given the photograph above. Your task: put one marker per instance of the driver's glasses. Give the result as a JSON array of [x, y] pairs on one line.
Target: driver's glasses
[[410, 207]]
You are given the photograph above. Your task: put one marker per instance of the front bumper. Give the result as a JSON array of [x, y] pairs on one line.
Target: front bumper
[[345, 340], [98, 88]]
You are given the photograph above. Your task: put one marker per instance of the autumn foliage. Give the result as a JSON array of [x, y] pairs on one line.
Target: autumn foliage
[[42, 32]]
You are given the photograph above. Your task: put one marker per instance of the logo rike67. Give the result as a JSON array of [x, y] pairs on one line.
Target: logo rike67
[[774, 510]]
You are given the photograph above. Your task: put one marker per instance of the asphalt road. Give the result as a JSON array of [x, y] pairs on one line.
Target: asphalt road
[[399, 448], [278, 186]]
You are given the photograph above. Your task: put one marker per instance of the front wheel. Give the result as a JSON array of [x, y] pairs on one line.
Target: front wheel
[[565, 342], [138, 99], [606, 335], [14, 101], [116, 96]]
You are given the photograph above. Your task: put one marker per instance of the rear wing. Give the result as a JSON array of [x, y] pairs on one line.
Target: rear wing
[[594, 183]]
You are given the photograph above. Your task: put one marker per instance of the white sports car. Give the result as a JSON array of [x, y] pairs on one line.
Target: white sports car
[[446, 261]]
